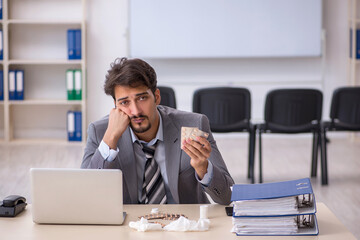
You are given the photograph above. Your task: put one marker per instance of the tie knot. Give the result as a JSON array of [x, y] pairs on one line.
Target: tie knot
[[148, 149]]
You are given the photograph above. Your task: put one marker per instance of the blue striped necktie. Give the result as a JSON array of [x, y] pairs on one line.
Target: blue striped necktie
[[153, 188]]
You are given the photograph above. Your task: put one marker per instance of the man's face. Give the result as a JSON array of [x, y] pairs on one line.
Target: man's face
[[140, 105]]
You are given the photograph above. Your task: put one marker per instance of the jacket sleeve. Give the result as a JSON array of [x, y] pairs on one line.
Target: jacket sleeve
[[92, 157], [219, 187]]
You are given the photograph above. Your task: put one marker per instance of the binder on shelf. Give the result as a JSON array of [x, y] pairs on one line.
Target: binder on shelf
[[78, 84], [1, 84], [1, 9], [77, 44], [70, 84], [19, 92], [78, 124], [71, 43], [71, 126], [74, 44], [357, 43], [12, 84], [279, 208], [1, 44], [74, 124]]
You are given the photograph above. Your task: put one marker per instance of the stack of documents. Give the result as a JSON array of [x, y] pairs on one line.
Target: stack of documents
[[281, 208], [274, 206]]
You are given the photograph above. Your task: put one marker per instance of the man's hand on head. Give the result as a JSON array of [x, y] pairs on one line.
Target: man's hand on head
[[199, 152], [118, 122]]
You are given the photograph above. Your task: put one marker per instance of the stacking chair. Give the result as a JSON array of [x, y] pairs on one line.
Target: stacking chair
[[292, 111], [228, 110], [344, 116], [167, 96]]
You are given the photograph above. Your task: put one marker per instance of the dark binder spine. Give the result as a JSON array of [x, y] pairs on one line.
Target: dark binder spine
[[70, 125], [1, 9], [78, 125], [77, 84], [1, 44], [356, 44], [12, 84], [1, 85], [77, 43], [19, 91], [70, 82], [71, 44], [357, 41]]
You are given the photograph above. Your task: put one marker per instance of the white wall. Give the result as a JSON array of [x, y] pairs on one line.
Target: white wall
[[106, 40]]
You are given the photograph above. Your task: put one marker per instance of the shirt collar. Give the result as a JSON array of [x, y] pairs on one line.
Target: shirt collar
[[159, 135]]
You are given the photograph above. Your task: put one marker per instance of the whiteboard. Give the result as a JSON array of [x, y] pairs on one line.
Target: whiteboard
[[225, 28]]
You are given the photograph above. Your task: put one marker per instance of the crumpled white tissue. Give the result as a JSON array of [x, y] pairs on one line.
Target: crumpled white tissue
[[181, 225], [143, 225]]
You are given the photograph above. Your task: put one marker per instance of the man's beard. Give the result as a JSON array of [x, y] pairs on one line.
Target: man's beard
[[140, 129]]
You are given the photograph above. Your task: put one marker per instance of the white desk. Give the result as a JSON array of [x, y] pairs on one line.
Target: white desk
[[23, 228]]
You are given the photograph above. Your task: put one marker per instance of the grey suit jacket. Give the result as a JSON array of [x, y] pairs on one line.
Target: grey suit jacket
[[181, 175]]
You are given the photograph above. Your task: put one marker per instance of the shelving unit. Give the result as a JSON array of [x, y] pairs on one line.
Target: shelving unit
[[35, 40], [354, 24]]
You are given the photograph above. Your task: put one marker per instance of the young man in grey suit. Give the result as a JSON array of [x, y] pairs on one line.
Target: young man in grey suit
[[137, 123]]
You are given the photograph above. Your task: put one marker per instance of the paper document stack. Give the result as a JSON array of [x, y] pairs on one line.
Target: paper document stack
[[281, 208]]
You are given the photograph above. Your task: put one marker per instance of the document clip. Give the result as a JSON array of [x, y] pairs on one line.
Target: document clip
[[305, 200], [305, 221]]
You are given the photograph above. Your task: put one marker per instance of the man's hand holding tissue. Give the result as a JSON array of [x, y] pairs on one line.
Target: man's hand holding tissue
[[199, 152]]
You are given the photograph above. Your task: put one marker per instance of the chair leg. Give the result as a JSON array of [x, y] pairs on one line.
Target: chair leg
[[323, 150], [315, 147], [249, 155], [252, 141], [260, 159]]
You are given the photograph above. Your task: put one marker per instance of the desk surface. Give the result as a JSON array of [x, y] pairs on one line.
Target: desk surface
[[22, 226]]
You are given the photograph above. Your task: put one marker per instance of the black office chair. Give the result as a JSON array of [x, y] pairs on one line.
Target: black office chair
[[228, 110], [167, 96], [292, 111], [344, 116]]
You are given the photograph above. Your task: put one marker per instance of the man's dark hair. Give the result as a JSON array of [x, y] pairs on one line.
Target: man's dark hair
[[131, 73]]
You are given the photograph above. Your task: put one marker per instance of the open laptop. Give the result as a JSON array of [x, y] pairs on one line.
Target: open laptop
[[77, 196]]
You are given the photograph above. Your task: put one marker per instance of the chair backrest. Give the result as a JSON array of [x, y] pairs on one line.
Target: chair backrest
[[167, 96], [345, 105], [228, 109], [293, 107]]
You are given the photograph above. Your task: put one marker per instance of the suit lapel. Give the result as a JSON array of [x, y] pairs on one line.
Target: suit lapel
[[172, 154], [128, 164]]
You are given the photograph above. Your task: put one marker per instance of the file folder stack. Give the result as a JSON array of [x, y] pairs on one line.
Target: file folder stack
[[280, 208], [74, 44], [74, 84], [16, 85], [74, 125]]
